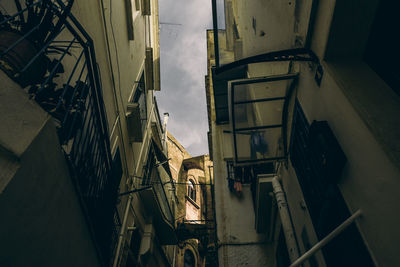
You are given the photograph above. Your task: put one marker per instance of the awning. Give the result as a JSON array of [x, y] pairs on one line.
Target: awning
[[258, 116]]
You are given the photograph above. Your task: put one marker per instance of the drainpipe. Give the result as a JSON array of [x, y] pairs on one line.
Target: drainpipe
[[285, 219], [122, 232]]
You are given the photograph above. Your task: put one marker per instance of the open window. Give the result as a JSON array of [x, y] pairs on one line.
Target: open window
[[137, 113]]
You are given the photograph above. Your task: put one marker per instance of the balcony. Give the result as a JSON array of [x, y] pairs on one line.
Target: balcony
[[45, 50], [158, 194]]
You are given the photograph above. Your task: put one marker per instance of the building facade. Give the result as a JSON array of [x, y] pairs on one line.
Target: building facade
[[83, 174], [303, 115], [194, 211]]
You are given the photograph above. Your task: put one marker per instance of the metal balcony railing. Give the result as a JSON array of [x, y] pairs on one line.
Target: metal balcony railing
[[45, 50], [159, 182]]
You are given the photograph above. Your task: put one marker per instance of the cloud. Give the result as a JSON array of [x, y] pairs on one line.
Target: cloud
[[183, 67]]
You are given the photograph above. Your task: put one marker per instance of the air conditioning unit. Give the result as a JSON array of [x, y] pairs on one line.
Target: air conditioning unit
[[134, 123], [265, 205]]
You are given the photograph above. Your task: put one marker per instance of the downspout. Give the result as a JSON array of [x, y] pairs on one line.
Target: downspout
[[285, 219], [122, 232]]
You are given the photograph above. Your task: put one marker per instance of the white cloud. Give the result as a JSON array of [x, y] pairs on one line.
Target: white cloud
[[183, 66]]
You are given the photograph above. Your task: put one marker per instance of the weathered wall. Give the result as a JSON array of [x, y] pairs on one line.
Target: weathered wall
[[238, 242], [183, 168], [362, 111], [40, 211]]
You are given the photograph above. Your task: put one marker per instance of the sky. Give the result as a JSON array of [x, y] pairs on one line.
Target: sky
[[183, 61]]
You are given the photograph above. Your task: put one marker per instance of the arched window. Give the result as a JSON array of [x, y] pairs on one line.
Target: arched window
[[189, 260], [192, 190]]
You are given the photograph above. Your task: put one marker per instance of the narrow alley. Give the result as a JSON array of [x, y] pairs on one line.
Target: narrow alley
[[199, 133]]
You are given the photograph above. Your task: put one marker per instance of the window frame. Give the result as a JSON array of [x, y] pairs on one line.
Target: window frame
[[191, 190]]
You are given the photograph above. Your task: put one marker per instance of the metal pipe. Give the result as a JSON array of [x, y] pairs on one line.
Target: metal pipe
[[122, 232], [328, 238], [285, 219]]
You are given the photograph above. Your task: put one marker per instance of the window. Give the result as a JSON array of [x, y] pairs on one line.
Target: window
[[140, 98], [192, 190], [365, 35], [381, 50], [148, 168], [117, 168], [129, 19]]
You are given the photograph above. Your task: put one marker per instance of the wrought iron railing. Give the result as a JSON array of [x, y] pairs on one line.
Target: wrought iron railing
[[45, 50]]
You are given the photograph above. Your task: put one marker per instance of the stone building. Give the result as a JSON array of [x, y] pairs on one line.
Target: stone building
[[83, 179], [303, 106], [194, 211]]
